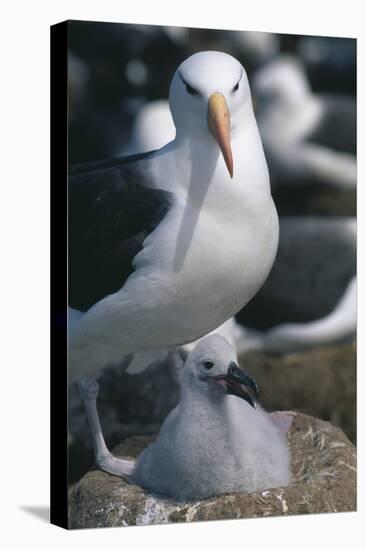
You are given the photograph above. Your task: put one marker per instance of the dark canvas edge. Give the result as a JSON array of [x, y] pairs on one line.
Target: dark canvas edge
[[58, 424]]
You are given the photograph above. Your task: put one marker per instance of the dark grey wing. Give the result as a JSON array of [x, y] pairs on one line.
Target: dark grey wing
[[112, 209]]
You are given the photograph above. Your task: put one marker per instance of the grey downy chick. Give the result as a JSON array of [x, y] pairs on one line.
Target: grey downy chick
[[217, 440]]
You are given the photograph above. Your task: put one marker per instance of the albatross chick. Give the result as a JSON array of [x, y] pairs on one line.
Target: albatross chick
[[217, 440]]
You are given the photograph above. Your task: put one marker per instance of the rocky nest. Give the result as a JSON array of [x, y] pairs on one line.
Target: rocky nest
[[323, 480]]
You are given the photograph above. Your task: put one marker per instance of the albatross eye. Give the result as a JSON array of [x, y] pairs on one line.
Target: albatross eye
[[208, 365], [236, 87], [191, 90]]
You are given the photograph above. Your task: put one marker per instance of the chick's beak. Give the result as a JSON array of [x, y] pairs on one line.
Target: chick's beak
[[218, 120], [238, 383]]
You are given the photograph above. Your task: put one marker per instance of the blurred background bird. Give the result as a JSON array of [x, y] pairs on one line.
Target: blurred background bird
[[118, 88]]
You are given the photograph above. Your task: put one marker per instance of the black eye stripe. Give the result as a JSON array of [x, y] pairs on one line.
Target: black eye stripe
[[236, 87], [193, 91], [189, 88]]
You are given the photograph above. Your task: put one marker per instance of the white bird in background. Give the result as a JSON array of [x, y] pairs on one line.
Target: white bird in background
[[167, 246], [153, 128], [340, 324], [308, 138], [217, 440]]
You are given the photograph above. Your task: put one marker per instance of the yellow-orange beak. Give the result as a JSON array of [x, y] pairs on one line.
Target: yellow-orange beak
[[218, 120]]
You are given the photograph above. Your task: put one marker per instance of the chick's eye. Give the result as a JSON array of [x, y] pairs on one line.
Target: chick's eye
[[191, 90], [208, 364]]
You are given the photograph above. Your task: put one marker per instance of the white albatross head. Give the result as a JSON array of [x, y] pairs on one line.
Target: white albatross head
[[208, 97], [212, 370]]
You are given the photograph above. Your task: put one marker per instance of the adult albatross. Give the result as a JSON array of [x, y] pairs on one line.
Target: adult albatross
[[166, 246]]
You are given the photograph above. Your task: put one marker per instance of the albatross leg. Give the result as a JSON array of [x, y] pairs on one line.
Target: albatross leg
[[88, 390]]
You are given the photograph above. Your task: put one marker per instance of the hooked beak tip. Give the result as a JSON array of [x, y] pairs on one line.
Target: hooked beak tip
[[239, 383]]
